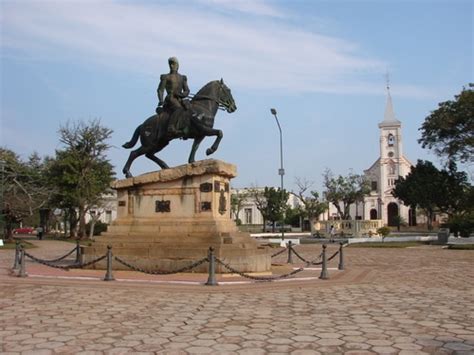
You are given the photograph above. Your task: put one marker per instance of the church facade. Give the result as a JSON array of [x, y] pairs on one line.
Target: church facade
[[385, 171]]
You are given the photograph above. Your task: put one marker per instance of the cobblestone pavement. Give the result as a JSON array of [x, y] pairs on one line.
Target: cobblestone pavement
[[387, 301]]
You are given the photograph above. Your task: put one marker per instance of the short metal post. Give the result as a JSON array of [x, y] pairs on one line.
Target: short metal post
[[78, 252], [109, 276], [341, 257], [290, 256], [22, 272], [324, 272], [16, 262], [211, 280]]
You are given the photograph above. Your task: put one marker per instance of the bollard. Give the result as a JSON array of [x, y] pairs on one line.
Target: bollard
[[108, 275], [290, 256], [22, 272], [16, 262], [211, 280], [78, 252], [341, 257], [324, 271]]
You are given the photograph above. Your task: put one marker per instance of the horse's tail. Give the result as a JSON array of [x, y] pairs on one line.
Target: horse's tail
[[134, 139]]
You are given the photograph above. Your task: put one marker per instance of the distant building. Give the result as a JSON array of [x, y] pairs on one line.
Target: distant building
[[249, 213], [106, 210]]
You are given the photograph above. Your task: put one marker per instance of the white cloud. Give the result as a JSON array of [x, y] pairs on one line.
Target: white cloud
[[253, 7], [249, 54]]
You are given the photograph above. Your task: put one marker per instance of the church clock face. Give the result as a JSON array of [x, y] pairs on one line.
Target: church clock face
[[390, 154], [391, 140]]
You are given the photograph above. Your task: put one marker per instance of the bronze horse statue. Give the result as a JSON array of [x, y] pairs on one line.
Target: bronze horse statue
[[198, 121]]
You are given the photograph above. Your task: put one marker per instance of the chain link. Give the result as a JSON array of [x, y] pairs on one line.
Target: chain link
[[64, 267], [159, 272], [61, 258], [257, 278], [80, 266], [333, 256], [278, 253]]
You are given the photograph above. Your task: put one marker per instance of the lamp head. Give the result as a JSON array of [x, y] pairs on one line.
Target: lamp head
[[273, 111]]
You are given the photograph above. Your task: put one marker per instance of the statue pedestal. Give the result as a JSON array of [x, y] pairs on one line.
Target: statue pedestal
[[170, 218]]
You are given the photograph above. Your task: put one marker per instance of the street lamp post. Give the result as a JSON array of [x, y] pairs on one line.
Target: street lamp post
[[281, 171], [2, 171]]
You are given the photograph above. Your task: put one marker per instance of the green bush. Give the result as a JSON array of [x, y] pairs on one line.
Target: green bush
[[383, 231], [99, 227], [461, 225]]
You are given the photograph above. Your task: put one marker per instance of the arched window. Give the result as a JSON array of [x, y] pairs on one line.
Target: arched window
[[391, 140]]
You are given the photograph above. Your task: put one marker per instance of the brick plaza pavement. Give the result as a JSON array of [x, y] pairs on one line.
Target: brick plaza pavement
[[387, 301]]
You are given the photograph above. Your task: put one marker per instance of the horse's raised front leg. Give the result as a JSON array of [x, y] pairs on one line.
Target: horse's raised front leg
[[134, 154], [215, 145], [194, 148]]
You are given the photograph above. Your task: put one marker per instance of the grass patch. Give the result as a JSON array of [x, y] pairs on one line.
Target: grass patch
[[386, 244], [461, 246], [12, 245]]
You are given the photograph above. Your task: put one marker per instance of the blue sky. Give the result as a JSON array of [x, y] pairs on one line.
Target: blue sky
[[321, 64]]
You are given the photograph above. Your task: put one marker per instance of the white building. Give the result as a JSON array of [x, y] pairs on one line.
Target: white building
[[249, 213], [106, 210], [385, 171]]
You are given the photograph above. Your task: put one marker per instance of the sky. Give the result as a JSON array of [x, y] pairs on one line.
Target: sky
[[322, 65]]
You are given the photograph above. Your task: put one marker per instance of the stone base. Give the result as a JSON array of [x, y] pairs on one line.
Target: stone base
[[169, 219]]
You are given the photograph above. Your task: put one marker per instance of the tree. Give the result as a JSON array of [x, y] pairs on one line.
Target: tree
[[81, 171], [271, 203], [345, 190], [237, 201], [106, 202], [312, 206], [449, 130], [420, 188], [432, 190], [25, 188]]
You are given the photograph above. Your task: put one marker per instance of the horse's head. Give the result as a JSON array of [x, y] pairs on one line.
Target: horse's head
[[225, 98]]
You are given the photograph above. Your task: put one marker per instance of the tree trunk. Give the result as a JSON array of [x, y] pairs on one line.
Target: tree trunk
[[311, 225], [91, 231], [82, 222]]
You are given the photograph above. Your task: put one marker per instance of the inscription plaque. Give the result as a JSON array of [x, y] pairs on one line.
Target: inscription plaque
[[163, 206]]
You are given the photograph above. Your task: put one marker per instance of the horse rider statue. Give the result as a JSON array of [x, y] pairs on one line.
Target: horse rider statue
[[177, 90]]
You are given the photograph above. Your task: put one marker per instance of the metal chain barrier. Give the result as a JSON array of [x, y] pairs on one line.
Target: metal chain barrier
[[257, 278], [60, 258], [47, 263], [333, 256], [159, 272], [80, 266], [298, 255], [278, 253], [64, 267]]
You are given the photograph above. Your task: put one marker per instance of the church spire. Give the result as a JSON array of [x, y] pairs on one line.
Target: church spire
[[389, 118]]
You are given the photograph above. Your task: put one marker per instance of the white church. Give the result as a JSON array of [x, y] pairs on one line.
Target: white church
[[385, 171]]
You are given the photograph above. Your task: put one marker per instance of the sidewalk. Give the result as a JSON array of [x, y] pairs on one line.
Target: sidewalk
[[393, 301]]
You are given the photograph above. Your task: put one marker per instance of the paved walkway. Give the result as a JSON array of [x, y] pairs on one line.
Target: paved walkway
[[387, 301]]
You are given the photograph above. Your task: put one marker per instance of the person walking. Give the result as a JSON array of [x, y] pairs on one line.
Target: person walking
[[332, 233], [39, 233]]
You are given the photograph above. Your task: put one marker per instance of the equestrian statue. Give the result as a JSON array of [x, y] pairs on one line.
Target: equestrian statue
[[178, 117]]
